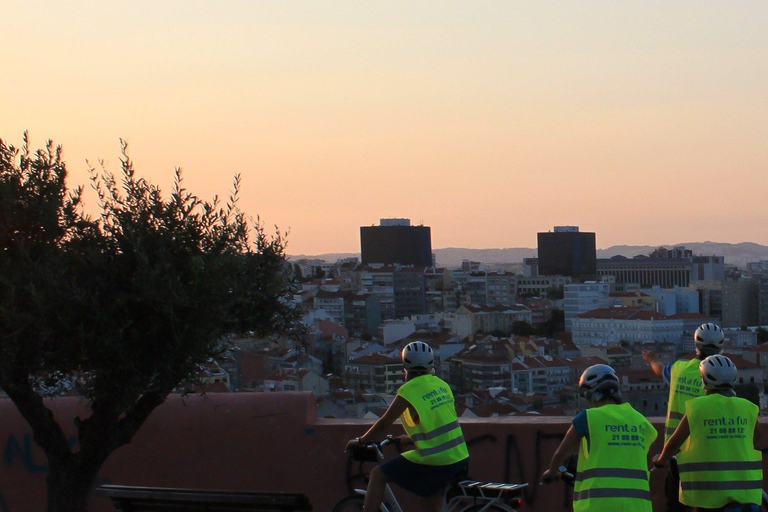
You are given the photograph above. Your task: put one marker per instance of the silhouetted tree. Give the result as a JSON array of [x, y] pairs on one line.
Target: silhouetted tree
[[522, 328], [554, 324], [555, 292], [120, 307]]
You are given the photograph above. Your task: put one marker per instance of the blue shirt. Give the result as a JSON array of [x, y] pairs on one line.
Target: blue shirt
[[581, 425]]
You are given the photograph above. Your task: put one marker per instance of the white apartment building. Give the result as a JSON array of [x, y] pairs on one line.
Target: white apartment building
[[543, 375], [672, 301], [471, 319], [632, 324], [332, 303], [580, 298]]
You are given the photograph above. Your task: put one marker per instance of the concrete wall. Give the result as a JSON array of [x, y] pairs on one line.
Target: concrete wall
[[270, 442]]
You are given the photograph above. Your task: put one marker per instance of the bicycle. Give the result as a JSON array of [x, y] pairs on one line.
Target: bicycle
[[463, 495]]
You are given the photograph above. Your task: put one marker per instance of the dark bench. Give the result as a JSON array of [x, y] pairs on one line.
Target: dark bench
[[128, 498]]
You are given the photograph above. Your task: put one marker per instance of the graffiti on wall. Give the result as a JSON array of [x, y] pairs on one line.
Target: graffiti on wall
[[19, 453]]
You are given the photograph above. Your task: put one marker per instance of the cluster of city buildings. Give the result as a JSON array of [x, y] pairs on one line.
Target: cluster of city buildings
[[508, 342]]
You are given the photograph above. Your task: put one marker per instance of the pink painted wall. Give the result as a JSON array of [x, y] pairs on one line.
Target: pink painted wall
[[270, 442]]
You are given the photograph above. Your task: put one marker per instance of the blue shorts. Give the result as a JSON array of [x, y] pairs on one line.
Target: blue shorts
[[422, 479]]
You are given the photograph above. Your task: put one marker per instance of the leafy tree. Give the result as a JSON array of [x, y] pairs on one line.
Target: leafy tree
[[554, 324], [555, 292], [120, 307], [522, 328]]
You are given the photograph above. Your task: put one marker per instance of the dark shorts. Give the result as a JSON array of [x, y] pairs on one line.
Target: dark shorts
[[421, 479]]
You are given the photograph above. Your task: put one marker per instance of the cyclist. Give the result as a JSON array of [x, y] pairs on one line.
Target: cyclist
[[719, 467], [684, 384], [612, 440], [426, 407]]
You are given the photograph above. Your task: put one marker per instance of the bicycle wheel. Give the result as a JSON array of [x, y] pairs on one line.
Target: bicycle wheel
[[491, 508], [350, 504]]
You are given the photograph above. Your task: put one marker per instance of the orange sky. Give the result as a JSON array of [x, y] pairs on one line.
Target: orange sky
[[644, 122]]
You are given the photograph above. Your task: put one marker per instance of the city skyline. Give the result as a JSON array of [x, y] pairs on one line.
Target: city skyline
[[489, 122]]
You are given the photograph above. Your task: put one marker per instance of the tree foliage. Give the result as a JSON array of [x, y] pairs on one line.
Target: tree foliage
[[522, 328], [123, 306]]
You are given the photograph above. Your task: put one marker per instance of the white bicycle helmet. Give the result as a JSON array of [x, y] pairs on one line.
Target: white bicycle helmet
[[709, 339], [598, 382], [717, 372], [417, 355]]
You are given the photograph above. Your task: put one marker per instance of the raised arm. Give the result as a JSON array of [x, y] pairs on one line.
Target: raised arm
[[656, 364]]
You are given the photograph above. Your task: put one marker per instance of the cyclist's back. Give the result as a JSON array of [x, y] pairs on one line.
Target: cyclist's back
[[426, 407]]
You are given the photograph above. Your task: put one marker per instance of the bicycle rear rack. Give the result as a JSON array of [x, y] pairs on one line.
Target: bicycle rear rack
[[475, 489]]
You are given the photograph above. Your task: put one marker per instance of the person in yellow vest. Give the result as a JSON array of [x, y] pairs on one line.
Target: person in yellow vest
[[684, 384], [613, 441], [720, 469], [426, 407]]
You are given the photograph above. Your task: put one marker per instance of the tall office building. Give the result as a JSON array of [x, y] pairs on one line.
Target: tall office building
[[396, 242], [583, 297], [567, 252]]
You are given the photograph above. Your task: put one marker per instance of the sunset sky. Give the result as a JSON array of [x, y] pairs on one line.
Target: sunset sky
[[644, 122]]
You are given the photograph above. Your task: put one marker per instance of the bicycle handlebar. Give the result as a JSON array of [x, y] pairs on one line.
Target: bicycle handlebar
[[363, 451], [565, 475]]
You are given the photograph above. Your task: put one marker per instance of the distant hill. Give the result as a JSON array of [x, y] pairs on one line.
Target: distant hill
[[450, 257]]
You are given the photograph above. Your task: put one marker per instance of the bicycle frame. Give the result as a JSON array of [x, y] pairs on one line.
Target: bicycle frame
[[389, 500], [457, 503], [478, 496]]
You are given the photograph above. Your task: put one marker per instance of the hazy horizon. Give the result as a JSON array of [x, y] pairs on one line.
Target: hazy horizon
[[487, 121]]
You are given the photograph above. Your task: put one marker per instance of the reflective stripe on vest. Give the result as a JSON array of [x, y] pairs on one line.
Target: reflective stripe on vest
[[709, 485], [437, 432], [720, 466], [443, 447], [611, 473], [605, 492]]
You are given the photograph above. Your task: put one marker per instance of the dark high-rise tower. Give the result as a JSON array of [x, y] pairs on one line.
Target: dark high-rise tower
[[395, 241], [567, 252]]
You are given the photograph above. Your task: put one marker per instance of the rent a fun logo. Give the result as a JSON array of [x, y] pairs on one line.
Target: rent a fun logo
[[625, 428], [736, 421]]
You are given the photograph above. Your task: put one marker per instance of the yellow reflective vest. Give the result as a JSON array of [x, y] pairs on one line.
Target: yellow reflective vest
[[612, 470], [437, 435], [718, 462], [684, 384]]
